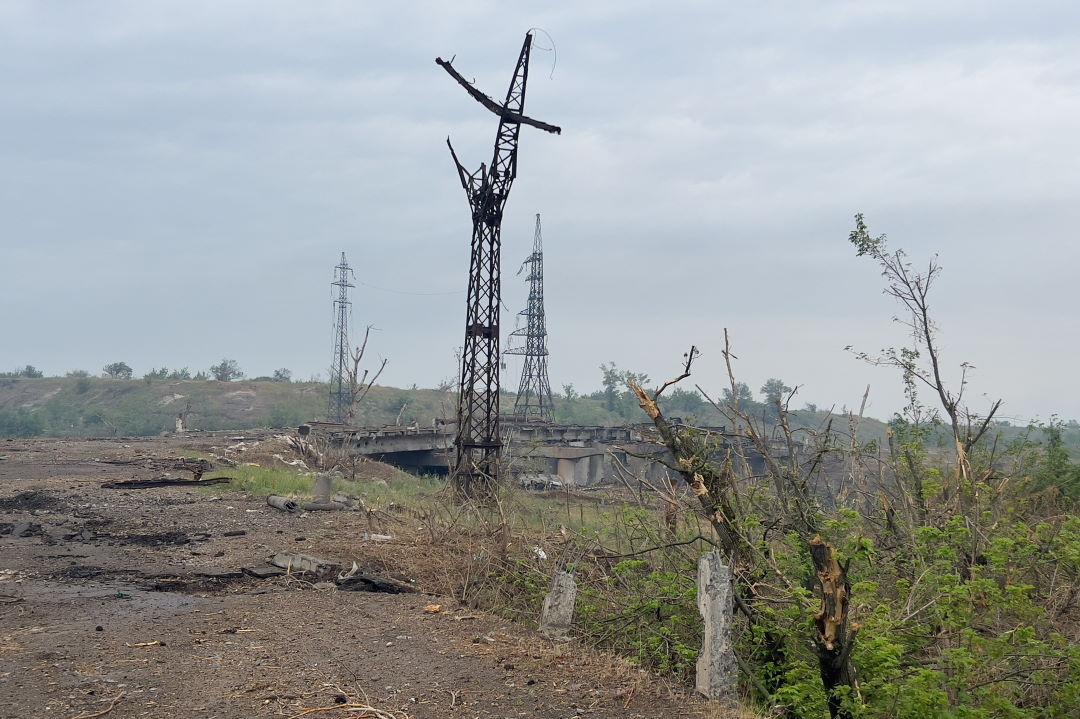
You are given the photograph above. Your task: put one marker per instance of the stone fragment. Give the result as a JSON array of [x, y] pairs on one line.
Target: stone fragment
[[558, 611], [717, 671], [262, 572]]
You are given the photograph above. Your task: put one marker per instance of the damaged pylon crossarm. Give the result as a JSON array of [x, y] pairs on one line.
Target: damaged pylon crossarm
[[478, 441], [501, 111]]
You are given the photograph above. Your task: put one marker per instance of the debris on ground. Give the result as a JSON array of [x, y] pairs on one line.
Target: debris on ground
[[241, 639], [164, 482], [283, 503], [305, 564]]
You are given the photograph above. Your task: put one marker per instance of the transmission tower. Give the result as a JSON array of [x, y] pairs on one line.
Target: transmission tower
[[478, 445], [340, 396], [534, 393]]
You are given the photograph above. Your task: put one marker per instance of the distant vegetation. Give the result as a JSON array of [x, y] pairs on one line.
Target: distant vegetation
[[83, 406], [79, 405]]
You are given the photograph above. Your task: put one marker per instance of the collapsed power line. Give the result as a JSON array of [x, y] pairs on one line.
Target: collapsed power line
[[477, 443]]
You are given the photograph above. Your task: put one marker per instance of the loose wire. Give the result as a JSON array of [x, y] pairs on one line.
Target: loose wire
[[554, 52]]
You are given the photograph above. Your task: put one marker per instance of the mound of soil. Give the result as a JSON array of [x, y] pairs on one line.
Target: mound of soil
[[29, 501], [84, 571], [160, 539]]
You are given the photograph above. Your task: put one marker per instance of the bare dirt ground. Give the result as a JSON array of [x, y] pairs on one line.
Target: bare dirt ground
[[129, 603]]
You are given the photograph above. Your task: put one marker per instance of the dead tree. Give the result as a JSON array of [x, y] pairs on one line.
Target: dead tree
[[835, 636], [714, 484], [358, 384]]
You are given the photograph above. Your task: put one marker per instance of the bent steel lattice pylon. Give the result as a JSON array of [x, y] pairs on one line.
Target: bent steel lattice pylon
[[477, 442]]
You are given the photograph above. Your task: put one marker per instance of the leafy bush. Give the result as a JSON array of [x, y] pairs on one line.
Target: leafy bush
[[20, 423]]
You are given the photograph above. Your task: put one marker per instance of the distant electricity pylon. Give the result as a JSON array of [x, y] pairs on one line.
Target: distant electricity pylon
[[534, 393], [478, 444], [340, 396]]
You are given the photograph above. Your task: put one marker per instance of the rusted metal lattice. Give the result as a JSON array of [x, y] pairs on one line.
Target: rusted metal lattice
[[477, 443]]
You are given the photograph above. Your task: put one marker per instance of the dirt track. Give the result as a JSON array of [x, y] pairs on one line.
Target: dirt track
[[136, 594]]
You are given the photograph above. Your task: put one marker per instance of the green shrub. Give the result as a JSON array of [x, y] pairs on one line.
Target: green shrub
[[20, 423]]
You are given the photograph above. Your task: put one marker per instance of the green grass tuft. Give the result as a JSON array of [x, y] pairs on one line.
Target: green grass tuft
[[264, 481]]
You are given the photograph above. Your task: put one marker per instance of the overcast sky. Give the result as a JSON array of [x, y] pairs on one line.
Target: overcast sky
[[179, 179]]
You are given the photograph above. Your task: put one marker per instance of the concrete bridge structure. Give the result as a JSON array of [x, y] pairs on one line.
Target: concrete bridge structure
[[576, 455]]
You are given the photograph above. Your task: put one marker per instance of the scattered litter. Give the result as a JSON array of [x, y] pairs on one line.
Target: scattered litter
[[224, 460], [433, 608], [304, 563], [148, 644], [291, 463], [377, 537], [362, 583]]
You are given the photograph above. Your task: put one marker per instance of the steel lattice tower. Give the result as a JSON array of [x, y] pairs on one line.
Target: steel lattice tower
[[477, 443], [534, 393], [340, 397]]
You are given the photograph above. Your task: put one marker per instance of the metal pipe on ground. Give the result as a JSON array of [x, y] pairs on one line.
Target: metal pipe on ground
[[283, 503]]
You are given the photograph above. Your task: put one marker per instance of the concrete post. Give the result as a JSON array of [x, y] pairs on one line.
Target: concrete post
[[567, 472], [596, 469], [717, 671], [558, 609], [324, 485]]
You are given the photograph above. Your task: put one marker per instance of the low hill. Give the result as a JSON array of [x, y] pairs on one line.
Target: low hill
[[96, 407], [78, 407]]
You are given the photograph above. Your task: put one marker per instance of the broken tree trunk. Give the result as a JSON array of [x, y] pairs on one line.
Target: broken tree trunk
[[703, 477], [710, 485], [834, 639]]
